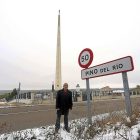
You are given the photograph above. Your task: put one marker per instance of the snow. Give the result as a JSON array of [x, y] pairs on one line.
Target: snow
[[2, 102], [10, 105], [116, 131]]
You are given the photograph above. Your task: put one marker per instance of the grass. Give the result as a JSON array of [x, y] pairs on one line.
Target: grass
[[113, 121], [2, 126]]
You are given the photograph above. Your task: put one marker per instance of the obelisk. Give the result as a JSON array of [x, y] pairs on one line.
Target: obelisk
[[58, 58]]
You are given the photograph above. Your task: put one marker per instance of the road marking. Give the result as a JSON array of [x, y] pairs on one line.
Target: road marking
[[55, 109], [30, 112]]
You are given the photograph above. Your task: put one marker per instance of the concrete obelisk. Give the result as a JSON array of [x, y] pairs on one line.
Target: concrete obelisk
[[58, 58]]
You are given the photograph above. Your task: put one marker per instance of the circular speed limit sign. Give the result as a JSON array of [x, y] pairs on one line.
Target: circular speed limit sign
[[85, 58]]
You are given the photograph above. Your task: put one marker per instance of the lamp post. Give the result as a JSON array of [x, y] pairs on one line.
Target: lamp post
[[18, 92], [77, 88]]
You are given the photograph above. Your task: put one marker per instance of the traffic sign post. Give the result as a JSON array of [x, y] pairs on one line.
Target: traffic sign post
[[88, 101], [18, 93], [85, 59], [127, 93], [121, 65]]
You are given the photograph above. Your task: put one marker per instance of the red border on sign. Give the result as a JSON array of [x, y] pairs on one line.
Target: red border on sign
[[111, 73], [91, 58]]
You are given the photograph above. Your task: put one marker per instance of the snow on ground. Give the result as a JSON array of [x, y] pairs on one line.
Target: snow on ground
[[118, 132], [5, 105], [2, 102], [8, 105]]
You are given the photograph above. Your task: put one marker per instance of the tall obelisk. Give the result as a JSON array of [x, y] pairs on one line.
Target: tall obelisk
[[58, 58]]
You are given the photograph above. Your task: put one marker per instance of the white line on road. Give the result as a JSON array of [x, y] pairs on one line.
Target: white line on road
[[30, 112]]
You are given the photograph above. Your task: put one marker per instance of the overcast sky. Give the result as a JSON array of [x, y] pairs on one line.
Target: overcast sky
[[28, 39]]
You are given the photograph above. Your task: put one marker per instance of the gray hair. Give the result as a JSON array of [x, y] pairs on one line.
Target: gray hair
[[65, 83]]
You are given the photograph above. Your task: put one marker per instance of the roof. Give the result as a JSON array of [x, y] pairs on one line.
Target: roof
[[106, 88]]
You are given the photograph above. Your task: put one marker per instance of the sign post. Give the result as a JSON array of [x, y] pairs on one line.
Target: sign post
[[18, 92], [88, 101], [127, 93], [121, 65], [85, 59]]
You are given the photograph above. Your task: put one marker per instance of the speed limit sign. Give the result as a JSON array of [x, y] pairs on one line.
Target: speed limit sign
[[85, 58]]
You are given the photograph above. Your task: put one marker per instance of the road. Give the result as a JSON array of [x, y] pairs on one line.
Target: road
[[20, 118]]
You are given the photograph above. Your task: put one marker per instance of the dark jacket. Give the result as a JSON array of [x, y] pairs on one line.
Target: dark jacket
[[64, 102]]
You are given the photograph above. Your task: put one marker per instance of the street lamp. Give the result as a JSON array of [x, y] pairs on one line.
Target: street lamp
[[77, 92], [77, 88], [18, 92]]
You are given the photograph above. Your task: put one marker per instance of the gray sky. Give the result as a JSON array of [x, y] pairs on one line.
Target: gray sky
[[28, 38]]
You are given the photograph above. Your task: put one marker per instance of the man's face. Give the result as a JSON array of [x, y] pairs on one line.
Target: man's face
[[65, 86]]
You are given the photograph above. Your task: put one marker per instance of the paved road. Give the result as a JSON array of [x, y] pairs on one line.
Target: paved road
[[19, 118]]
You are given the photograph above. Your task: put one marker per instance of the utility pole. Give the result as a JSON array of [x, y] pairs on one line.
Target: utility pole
[[18, 93]]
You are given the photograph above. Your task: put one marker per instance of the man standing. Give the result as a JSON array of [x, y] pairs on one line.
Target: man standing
[[63, 106]]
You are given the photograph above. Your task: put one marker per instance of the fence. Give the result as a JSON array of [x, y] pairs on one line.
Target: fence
[[49, 97]]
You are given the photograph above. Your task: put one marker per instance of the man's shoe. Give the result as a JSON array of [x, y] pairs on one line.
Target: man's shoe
[[56, 131], [68, 130]]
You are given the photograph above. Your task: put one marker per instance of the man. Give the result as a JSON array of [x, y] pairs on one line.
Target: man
[[63, 106]]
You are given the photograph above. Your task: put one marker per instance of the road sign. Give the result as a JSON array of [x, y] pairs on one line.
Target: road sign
[[121, 65], [85, 58], [116, 66]]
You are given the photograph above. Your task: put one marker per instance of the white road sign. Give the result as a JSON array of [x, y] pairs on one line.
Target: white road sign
[[116, 66]]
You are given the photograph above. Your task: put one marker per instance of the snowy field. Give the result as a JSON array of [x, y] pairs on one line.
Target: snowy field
[[79, 130], [7, 105]]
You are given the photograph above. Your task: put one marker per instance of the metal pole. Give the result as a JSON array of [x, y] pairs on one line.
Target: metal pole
[[18, 95], [127, 93], [19, 86], [18, 92], [88, 101], [16, 98]]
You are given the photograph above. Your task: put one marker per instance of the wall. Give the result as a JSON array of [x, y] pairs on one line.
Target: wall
[[26, 101], [44, 101]]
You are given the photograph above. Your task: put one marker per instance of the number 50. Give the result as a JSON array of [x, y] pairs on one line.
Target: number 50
[[86, 57]]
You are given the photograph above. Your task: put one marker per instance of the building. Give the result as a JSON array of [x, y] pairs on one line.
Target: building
[[135, 91], [105, 91]]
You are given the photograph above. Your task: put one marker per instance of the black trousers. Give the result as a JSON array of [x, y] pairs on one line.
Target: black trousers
[[57, 125]]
